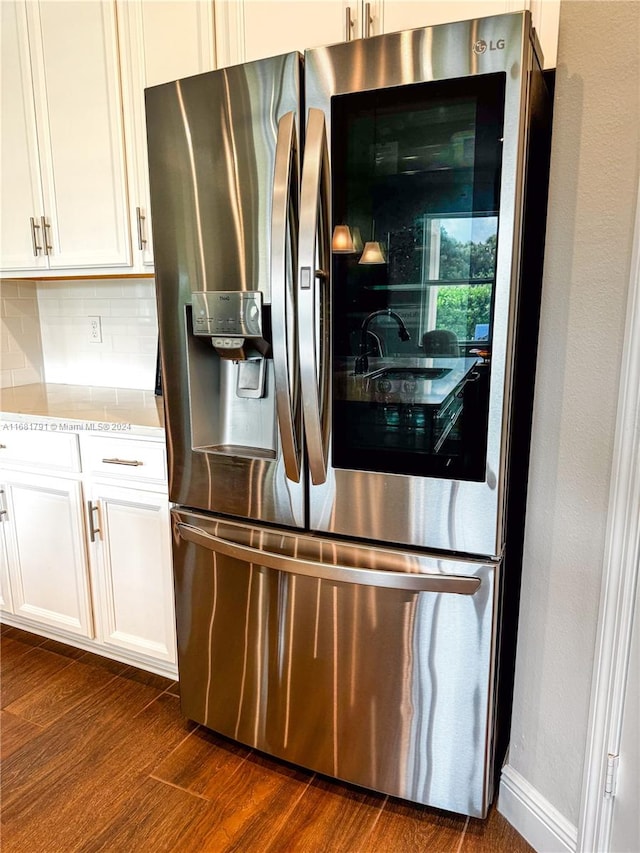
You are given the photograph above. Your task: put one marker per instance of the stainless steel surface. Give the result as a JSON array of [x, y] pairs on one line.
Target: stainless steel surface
[[313, 296], [227, 313], [34, 239], [211, 167], [348, 27], [284, 266], [93, 530], [140, 219], [445, 514], [368, 20], [387, 688], [45, 235], [116, 461], [328, 571]]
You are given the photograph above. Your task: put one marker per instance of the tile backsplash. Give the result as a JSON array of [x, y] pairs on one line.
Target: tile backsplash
[[126, 355], [21, 360]]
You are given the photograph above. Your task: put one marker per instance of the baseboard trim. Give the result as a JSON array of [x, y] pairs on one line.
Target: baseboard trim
[[533, 816]]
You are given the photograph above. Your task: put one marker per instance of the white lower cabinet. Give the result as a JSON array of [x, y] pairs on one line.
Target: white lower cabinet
[[85, 557], [131, 570], [6, 604], [45, 548]]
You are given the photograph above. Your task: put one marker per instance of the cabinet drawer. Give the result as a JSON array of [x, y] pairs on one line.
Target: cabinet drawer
[[50, 451], [127, 458]]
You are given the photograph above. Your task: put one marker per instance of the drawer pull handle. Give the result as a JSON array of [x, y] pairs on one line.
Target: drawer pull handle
[[116, 461], [3, 506], [3, 446]]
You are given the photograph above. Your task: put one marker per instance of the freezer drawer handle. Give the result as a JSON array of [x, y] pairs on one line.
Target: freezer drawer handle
[[330, 571]]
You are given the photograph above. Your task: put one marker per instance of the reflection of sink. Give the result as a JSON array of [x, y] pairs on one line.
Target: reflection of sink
[[408, 372]]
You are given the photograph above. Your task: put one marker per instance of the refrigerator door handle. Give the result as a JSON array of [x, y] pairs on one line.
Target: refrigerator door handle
[[329, 571], [284, 267], [313, 295]]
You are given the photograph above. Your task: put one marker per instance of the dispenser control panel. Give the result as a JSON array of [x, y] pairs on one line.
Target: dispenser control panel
[[225, 315]]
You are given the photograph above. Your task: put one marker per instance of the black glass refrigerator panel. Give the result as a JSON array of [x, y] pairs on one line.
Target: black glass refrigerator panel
[[416, 192]]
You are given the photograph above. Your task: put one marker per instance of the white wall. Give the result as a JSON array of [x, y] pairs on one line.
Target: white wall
[[126, 357], [594, 179], [20, 345]]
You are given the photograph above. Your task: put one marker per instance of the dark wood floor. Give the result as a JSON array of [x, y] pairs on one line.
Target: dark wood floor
[[96, 756]]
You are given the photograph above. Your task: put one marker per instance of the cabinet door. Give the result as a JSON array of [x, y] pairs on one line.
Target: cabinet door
[[254, 29], [132, 570], [21, 197], [74, 58], [145, 29], [389, 16], [46, 551], [6, 603]]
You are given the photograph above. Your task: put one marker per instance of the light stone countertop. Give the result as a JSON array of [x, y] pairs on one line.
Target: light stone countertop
[[81, 406]]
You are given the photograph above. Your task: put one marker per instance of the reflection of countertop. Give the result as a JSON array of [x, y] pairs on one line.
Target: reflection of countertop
[[136, 412], [428, 392]]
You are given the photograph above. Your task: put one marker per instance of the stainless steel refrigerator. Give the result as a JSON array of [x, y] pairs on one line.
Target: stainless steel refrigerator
[[340, 366]]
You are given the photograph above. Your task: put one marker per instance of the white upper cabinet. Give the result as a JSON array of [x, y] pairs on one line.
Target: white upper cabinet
[[388, 16], [21, 202], [159, 41], [74, 60], [253, 29]]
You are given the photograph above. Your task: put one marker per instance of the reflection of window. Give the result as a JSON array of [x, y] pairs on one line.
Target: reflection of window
[[458, 273]]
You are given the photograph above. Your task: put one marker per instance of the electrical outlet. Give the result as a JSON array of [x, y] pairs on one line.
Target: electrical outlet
[[95, 330]]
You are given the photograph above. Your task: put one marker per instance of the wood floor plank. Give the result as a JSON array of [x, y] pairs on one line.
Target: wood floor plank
[[26, 637], [63, 649], [254, 802], [114, 666], [202, 764], [62, 691], [14, 733], [14, 644], [81, 738], [26, 672], [157, 819], [93, 793], [330, 816], [158, 681], [493, 835], [404, 828]]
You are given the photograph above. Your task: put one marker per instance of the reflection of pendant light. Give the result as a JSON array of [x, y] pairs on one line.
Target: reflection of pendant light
[[357, 239], [342, 242], [372, 252]]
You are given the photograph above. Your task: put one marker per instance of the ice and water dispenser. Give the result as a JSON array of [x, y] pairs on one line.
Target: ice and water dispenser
[[231, 388]]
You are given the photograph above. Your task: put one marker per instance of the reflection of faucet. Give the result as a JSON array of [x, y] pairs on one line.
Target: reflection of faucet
[[362, 361]]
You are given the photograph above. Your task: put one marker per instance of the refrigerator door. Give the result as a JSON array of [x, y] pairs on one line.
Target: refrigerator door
[[371, 665], [223, 169], [426, 137]]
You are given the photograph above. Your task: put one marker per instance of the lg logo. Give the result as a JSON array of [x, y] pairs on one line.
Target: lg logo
[[481, 46]]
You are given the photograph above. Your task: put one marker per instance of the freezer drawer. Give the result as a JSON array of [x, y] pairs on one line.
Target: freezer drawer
[[367, 664]]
